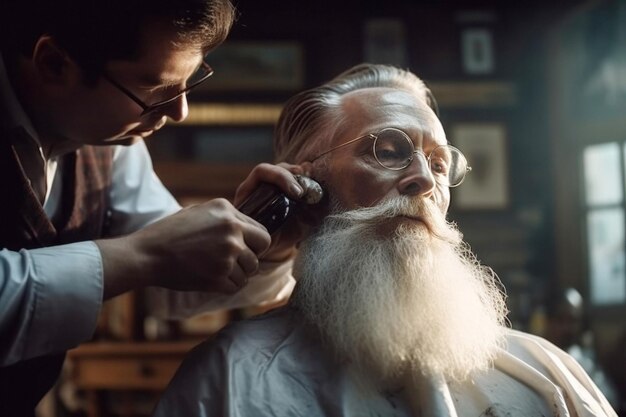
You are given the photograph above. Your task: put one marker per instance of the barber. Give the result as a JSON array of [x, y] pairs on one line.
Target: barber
[[84, 217]]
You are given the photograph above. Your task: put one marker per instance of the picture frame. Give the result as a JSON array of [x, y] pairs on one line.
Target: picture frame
[[485, 146], [477, 51], [385, 42], [243, 66]]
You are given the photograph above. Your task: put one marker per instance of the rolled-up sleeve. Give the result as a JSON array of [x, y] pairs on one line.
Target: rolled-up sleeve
[[49, 299]]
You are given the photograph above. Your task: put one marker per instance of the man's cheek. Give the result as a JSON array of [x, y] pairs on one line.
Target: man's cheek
[[442, 199]]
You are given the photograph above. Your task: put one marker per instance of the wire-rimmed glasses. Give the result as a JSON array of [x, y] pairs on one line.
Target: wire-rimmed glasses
[[201, 75], [393, 149]]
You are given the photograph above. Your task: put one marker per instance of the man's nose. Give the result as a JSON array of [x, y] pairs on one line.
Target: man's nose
[[177, 110], [417, 179]]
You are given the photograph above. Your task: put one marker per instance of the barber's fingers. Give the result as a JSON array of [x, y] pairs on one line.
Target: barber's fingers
[[238, 277], [247, 265], [281, 176], [255, 235], [302, 169], [248, 262]]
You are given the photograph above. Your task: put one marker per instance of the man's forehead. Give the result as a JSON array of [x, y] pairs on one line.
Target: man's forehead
[[385, 96], [161, 59], [375, 108]]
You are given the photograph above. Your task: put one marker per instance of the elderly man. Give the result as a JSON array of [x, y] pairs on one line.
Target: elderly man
[[392, 315]]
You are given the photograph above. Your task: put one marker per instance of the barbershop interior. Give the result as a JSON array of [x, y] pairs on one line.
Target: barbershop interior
[[533, 93]]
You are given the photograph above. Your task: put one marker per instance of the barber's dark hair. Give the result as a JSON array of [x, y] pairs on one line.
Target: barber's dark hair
[[309, 119], [96, 31]]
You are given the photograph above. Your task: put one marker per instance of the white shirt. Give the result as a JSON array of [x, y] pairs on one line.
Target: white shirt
[[276, 365]]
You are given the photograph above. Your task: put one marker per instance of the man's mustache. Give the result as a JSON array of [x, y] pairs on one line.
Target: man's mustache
[[420, 209]]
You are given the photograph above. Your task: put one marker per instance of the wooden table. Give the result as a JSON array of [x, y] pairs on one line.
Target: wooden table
[[125, 367]]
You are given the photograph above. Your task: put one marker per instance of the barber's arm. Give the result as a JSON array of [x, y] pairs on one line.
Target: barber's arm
[[49, 299], [209, 247], [161, 245], [138, 199], [273, 281]]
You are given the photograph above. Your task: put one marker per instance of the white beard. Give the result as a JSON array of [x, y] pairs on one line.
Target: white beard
[[393, 296]]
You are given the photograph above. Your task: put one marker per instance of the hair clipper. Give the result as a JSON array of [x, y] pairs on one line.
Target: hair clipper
[[271, 207]]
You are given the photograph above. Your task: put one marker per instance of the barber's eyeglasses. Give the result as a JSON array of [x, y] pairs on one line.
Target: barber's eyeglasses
[[393, 149], [201, 75]]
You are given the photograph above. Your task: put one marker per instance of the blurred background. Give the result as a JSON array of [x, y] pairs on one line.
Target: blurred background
[[534, 93]]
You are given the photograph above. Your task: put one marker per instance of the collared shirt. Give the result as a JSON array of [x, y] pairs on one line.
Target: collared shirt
[[62, 285]]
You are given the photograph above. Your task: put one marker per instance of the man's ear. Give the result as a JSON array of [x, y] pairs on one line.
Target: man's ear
[[432, 102], [52, 64], [307, 168]]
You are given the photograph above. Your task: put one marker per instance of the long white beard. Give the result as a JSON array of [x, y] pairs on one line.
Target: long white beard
[[393, 296]]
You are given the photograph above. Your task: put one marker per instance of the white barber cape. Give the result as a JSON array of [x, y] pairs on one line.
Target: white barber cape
[[274, 365]]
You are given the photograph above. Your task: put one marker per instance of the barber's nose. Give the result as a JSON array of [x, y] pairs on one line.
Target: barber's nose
[[417, 179], [178, 110]]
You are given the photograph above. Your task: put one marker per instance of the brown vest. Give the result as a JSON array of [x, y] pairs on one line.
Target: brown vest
[[84, 215]]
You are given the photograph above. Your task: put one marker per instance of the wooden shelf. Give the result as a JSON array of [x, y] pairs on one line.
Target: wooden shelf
[[233, 114], [472, 94], [449, 94]]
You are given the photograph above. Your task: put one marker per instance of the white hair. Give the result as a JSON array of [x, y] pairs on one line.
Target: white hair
[[393, 295], [310, 119]]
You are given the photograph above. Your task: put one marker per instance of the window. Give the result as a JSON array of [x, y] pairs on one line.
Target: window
[[604, 208]]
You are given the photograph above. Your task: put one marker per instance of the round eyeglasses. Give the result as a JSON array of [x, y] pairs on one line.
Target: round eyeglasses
[[201, 75], [393, 149]]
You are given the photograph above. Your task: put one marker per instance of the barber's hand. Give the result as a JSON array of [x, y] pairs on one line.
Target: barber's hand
[[206, 247], [297, 227]]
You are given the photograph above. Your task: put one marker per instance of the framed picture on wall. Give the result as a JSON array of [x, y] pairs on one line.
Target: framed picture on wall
[[385, 42], [486, 187], [256, 66], [477, 51]]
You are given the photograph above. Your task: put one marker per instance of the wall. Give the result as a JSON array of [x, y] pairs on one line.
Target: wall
[[515, 237]]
